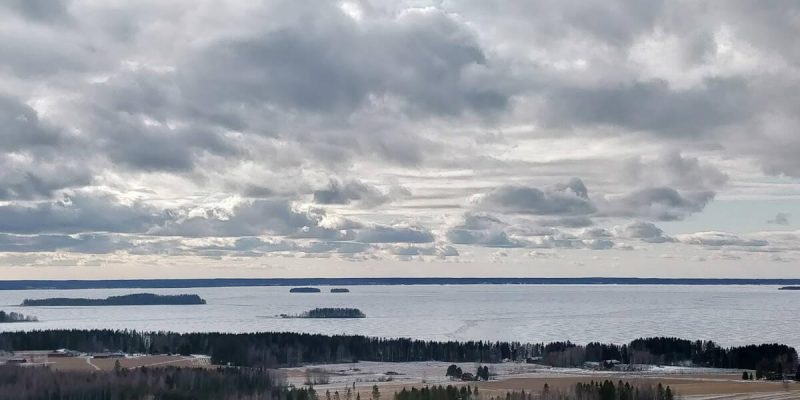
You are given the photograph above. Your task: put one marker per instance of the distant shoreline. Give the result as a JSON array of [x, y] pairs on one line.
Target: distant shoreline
[[246, 282]]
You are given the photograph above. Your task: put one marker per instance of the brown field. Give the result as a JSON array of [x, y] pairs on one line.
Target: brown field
[[107, 364], [726, 387], [683, 385], [150, 361]]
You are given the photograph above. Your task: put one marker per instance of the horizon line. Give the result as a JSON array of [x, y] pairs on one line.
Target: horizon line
[[166, 283]]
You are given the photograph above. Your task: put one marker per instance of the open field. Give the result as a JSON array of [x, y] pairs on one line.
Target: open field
[[690, 383]]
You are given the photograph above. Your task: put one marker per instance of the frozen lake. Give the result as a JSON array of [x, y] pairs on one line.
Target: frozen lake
[[729, 315]]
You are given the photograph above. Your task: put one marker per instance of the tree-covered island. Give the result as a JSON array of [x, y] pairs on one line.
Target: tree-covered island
[[136, 299], [329, 312]]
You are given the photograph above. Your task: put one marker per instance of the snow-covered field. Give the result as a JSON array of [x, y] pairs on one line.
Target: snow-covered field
[[690, 383], [433, 372]]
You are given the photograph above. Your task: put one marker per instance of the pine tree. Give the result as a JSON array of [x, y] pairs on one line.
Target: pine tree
[[376, 394], [668, 394]]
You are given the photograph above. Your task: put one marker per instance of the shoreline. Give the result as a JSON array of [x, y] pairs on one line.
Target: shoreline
[[393, 281]]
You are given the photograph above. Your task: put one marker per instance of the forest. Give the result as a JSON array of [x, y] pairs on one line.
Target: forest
[[281, 349], [594, 390], [305, 290], [145, 383], [136, 299], [333, 313], [16, 317]]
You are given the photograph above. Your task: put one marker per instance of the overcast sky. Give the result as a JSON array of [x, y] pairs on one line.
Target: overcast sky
[[399, 138]]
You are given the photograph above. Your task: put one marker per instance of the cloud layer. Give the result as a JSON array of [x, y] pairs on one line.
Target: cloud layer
[[397, 130]]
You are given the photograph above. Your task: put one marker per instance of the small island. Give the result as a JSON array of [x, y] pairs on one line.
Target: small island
[[16, 317], [340, 290], [789, 288], [137, 299], [304, 290], [329, 313]]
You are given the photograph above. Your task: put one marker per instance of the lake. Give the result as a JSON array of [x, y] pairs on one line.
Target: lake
[[729, 315]]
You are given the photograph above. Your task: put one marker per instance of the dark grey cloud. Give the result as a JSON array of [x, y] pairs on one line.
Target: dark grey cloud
[[780, 219], [653, 106], [43, 11], [596, 233], [129, 140], [77, 214], [659, 203], [645, 231], [250, 218], [482, 238], [673, 169], [323, 61], [569, 199], [350, 191], [482, 229], [599, 244], [23, 130], [394, 234], [31, 178], [37, 158], [572, 200], [568, 222]]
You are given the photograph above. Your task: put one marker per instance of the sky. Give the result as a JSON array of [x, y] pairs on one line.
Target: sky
[[203, 138]]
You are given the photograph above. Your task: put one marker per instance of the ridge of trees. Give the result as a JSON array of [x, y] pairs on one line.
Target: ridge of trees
[[280, 349], [332, 312], [31, 383], [593, 390]]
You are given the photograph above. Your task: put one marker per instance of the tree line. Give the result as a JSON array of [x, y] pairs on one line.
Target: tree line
[[593, 390], [16, 317], [282, 349], [439, 392], [333, 312], [605, 390], [168, 383], [455, 372]]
